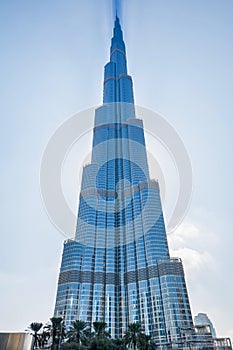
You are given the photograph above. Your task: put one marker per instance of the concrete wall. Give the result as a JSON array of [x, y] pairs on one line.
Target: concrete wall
[[16, 341]]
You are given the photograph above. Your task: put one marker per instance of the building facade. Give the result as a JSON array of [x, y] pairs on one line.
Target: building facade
[[202, 319], [118, 269]]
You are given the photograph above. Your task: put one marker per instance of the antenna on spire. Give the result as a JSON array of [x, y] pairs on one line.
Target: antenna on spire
[[116, 8]]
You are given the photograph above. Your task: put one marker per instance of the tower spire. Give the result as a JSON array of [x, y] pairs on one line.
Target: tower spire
[[118, 86], [116, 8]]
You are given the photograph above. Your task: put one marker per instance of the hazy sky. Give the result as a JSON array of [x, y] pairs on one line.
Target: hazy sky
[[180, 55]]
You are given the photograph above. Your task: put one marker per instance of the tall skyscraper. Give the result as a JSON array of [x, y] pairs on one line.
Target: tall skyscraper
[[118, 268]]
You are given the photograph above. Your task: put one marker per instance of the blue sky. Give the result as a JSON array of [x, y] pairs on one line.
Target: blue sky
[[180, 55]]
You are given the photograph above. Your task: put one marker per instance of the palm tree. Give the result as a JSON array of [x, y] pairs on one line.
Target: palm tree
[[100, 337], [152, 345], [101, 344], [144, 341], [100, 329], [43, 337], [72, 346], [35, 327], [57, 331], [119, 344], [78, 332], [133, 335]]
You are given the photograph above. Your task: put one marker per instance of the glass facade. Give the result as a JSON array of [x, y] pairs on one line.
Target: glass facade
[[118, 268]]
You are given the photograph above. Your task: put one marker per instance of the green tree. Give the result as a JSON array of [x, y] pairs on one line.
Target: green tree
[[72, 346], [152, 345], [57, 330], [100, 337], [100, 343], [133, 335], [100, 329], [43, 337], [78, 332], [144, 341], [35, 327], [118, 344]]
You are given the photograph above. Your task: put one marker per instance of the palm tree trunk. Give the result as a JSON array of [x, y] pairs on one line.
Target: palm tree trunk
[[53, 341], [36, 341]]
